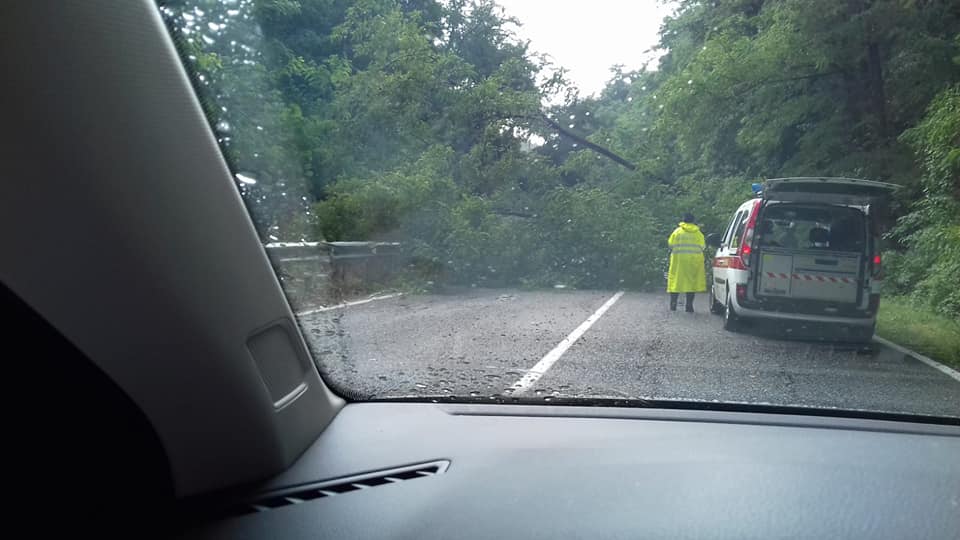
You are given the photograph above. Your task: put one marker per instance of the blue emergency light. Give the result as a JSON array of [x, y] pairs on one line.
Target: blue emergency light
[[757, 187]]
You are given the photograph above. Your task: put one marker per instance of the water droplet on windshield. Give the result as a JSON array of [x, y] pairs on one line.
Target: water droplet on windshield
[[690, 81], [213, 26], [246, 179], [207, 39]]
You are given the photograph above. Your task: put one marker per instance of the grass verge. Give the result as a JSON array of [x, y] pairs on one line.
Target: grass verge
[[915, 328]]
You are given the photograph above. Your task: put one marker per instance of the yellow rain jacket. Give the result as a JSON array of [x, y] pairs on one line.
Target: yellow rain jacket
[[686, 260]]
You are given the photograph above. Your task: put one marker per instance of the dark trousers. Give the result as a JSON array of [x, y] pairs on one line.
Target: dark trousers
[[675, 296]]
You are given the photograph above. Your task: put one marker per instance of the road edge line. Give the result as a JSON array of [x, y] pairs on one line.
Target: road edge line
[[949, 371], [347, 304], [540, 368]]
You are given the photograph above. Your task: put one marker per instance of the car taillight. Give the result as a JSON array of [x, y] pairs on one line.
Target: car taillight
[[741, 291], [875, 268], [746, 244]]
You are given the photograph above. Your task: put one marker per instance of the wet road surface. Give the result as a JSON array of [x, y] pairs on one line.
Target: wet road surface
[[483, 343]]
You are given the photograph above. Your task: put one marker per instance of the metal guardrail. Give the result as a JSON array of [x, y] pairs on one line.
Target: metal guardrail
[[318, 273], [360, 250], [304, 251]]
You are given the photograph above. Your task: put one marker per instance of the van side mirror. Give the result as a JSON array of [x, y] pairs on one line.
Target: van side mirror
[[713, 239]]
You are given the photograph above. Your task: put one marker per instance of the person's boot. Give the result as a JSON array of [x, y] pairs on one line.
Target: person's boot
[[673, 301], [689, 308]]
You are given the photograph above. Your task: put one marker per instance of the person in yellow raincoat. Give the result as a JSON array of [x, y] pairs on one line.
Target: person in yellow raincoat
[[687, 274]]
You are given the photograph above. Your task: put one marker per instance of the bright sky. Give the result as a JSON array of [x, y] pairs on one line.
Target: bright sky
[[589, 36]]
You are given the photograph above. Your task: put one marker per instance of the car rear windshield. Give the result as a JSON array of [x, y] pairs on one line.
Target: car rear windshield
[[820, 227]]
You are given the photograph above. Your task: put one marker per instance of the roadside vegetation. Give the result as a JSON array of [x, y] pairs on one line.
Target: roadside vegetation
[[431, 123], [916, 328]]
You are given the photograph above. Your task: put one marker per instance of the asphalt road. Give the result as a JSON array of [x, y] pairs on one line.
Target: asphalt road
[[493, 343]]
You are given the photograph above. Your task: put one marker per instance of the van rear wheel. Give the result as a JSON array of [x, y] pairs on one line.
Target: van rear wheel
[[731, 322]]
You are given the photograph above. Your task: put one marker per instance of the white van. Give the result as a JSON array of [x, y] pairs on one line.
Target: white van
[[806, 249]]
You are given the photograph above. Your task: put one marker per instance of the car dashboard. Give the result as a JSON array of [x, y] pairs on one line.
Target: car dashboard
[[422, 470]]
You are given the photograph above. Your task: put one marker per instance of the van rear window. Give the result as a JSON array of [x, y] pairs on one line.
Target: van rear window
[[792, 226]]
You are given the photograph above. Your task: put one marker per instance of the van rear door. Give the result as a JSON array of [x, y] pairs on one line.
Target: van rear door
[[809, 251], [831, 277]]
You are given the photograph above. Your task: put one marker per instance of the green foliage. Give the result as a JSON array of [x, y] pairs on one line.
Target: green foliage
[[930, 233], [904, 322], [598, 240]]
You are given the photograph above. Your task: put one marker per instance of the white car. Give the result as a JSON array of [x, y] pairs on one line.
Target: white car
[[804, 250]]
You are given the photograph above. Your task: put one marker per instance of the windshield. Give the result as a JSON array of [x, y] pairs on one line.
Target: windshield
[[521, 201]]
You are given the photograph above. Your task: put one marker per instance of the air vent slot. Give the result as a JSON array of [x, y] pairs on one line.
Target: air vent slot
[[339, 486]]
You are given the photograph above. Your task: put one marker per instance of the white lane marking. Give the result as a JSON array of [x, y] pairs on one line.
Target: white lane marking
[[347, 304], [950, 372], [541, 367]]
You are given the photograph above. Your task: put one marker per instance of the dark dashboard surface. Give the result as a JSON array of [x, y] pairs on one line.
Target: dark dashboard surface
[[569, 472]]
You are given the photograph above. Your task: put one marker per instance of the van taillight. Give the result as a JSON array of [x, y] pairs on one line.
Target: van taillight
[[741, 291], [746, 242], [875, 268]]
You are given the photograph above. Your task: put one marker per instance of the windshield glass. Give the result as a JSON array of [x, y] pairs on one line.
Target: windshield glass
[[520, 201]]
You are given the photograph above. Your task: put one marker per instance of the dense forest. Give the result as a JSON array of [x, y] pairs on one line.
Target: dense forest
[[432, 123]]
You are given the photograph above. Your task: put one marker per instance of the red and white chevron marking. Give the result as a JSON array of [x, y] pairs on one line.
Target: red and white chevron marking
[[811, 277]]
